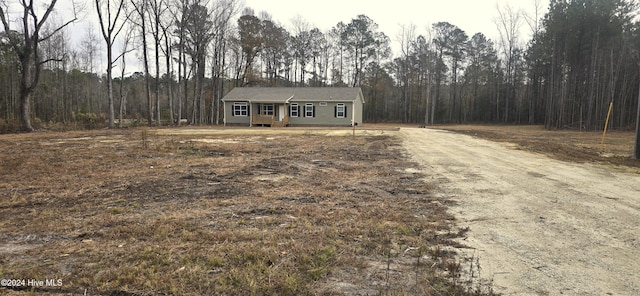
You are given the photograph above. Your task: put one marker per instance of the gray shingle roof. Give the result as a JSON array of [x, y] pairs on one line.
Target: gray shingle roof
[[293, 94]]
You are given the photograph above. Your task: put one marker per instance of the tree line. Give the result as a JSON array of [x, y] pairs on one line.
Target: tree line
[[583, 55]]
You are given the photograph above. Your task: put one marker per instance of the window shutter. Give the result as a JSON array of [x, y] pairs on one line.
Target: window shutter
[[335, 111], [346, 115], [314, 111]]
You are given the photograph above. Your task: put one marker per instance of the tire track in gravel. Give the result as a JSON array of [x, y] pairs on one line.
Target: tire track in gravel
[[539, 226]]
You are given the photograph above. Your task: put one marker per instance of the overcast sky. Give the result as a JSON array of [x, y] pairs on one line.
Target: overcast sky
[[472, 16]]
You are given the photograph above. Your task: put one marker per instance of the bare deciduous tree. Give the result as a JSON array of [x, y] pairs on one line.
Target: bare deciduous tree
[[223, 12], [168, 53], [111, 25], [126, 41], [140, 8], [508, 24], [405, 37], [26, 47], [156, 10]]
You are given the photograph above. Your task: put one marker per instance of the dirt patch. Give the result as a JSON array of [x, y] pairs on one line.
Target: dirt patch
[[146, 212], [539, 226]]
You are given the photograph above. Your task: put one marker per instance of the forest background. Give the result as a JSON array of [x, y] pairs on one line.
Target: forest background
[[582, 55]]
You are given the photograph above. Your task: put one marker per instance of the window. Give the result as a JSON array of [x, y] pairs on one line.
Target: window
[[341, 111], [266, 109], [309, 110], [294, 110], [240, 109]]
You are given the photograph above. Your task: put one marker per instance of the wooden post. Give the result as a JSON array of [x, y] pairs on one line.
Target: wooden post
[[606, 125], [353, 123], [353, 117], [636, 150]]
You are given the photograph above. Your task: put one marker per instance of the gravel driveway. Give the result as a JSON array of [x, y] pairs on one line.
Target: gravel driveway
[[539, 226]]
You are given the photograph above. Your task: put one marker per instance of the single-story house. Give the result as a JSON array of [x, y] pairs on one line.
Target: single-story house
[[293, 106]]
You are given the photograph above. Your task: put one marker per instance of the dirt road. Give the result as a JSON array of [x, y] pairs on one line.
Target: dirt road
[[539, 226]]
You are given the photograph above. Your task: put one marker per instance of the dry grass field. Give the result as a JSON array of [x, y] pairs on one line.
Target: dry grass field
[[232, 212], [568, 145]]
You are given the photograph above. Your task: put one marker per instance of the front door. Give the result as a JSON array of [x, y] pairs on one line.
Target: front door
[[281, 111]]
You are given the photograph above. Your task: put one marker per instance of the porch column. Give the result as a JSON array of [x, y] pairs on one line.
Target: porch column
[[353, 113], [250, 114]]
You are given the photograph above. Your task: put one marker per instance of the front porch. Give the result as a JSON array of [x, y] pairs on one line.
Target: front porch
[[271, 120], [274, 115]]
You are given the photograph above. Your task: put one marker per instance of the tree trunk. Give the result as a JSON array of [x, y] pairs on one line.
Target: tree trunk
[[185, 82], [179, 94], [169, 80], [636, 150], [123, 92], [110, 85], [221, 90], [157, 85], [25, 110], [214, 83], [194, 105], [26, 90], [202, 65], [123, 97], [145, 56], [156, 37]]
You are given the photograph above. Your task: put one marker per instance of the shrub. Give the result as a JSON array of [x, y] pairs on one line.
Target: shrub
[[89, 120], [9, 126]]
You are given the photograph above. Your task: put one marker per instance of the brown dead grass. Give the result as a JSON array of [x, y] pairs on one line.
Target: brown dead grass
[[147, 212], [568, 145]]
